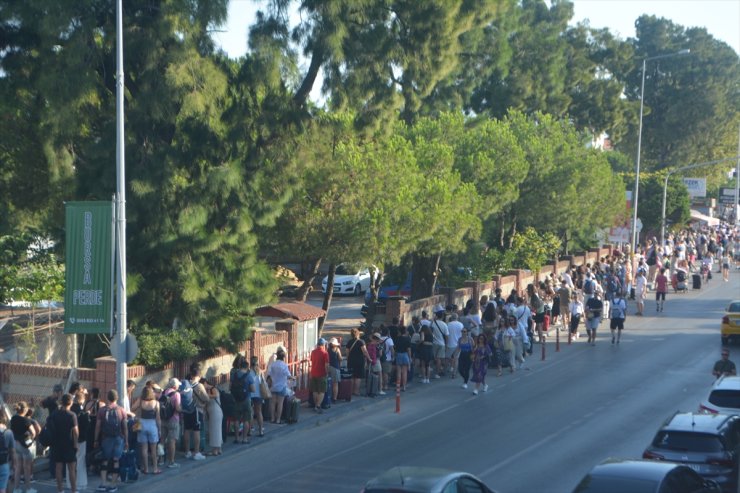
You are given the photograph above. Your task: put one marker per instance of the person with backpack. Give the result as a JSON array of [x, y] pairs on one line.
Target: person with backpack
[[239, 388], [193, 400], [170, 408], [111, 435]]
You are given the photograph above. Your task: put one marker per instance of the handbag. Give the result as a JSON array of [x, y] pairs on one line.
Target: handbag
[[264, 389], [508, 344]]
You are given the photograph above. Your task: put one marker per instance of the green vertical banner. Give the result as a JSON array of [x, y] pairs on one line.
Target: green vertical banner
[[88, 295]]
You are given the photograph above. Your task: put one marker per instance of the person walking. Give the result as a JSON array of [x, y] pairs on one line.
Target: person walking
[[594, 310], [64, 436], [576, 312], [463, 356], [151, 425], [640, 291], [618, 316], [480, 355], [661, 288]]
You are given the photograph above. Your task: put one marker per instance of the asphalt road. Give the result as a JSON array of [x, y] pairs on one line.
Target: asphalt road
[[535, 431]]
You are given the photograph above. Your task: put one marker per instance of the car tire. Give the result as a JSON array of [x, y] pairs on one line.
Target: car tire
[[358, 290]]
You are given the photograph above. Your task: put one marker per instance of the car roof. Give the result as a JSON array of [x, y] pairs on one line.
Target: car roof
[[417, 478], [728, 382], [633, 468], [701, 423]]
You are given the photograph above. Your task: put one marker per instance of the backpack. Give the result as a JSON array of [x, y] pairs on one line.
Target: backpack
[[382, 352], [111, 426], [186, 397], [237, 387], [613, 284], [588, 286], [489, 314], [652, 258], [166, 407]]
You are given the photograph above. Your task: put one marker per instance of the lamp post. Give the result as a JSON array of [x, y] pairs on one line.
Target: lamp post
[[636, 192], [665, 187]]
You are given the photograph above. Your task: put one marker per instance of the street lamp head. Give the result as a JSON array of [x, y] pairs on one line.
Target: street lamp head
[[685, 51]]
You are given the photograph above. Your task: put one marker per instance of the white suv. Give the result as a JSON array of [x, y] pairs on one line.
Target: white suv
[[724, 397], [348, 280]]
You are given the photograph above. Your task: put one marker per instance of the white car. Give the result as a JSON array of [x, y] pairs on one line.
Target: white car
[[724, 397], [349, 281]]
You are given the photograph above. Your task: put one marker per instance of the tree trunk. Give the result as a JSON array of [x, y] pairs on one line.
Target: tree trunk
[[302, 292], [424, 271], [328, 295]]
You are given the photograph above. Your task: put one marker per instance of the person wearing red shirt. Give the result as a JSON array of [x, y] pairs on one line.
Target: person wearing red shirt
[[319, 372], [661, 283]]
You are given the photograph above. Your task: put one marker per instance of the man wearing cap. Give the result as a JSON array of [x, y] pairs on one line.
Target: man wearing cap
[[319, 372], [171, 427]]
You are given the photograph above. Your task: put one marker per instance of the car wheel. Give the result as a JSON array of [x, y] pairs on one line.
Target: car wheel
[[358, 290]]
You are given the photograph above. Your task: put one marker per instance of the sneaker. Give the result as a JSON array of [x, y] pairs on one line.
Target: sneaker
[[465, 385], [188, 455], [112, 489], [174, 465], [475, 392], [381, 393], [437, 376], [485, 388], [199, 456], [101, 487]]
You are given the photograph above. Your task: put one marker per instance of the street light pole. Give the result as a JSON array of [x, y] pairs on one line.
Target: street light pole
[[635, 193], [676, 170]]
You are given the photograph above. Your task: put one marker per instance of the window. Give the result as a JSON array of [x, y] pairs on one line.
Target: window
[[687, 442], [469, 485], [725, 398]]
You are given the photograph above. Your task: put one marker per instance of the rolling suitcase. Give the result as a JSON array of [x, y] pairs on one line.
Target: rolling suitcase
[[127, 469], [696, 281], [291, 408], [345, 390]]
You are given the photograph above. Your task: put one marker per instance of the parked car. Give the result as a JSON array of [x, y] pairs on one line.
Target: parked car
[[707, 443], [730, 328], [425, 480], [644, 476], [723, 397], [349, 280]]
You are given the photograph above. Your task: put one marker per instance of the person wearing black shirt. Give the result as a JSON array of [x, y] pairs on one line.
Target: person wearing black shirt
[[24, 433], [724, 367], [594, 310], [65, 434]]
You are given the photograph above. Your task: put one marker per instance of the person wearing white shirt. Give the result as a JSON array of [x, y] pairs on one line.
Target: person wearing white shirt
[[567, 280], [640, 291], [454, 328], [522, 313], [441, 333], [576, 312]]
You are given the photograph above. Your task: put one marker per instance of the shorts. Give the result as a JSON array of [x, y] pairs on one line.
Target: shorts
[[317, 384], [659, 295], [593, 323], [171, 430], [449, 351], [438, 351], [402, 359], [539, 317], [25, 453], [242, 412], [4, 475], [335, 374], [616, 323], [192, 421], [256, 401], [426, 353], [281, 392], [112, 447], [149, 433], [64, 455]]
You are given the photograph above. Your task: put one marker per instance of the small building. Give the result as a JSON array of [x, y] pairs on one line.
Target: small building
[[300, 320]]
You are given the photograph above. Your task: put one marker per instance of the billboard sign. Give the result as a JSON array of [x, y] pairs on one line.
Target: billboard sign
[[727, 196], [88, 295], [697, 187]]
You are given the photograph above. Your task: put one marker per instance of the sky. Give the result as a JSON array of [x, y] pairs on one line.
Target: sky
[[721, 18]]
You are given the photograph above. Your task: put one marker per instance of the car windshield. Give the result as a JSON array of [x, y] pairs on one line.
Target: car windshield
[[687, 442], [602, 484], [342, 270], [734, 307], [725, 398]]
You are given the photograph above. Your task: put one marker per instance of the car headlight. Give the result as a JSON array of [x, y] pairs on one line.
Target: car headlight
[[346, 283]]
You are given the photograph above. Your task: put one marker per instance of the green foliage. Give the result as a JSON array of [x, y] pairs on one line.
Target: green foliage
[[158, 347], [650, 206], [530, 249]]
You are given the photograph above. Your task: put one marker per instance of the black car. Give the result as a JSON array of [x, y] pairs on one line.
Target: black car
[[408, 479], [707, 443], [644, 476]]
